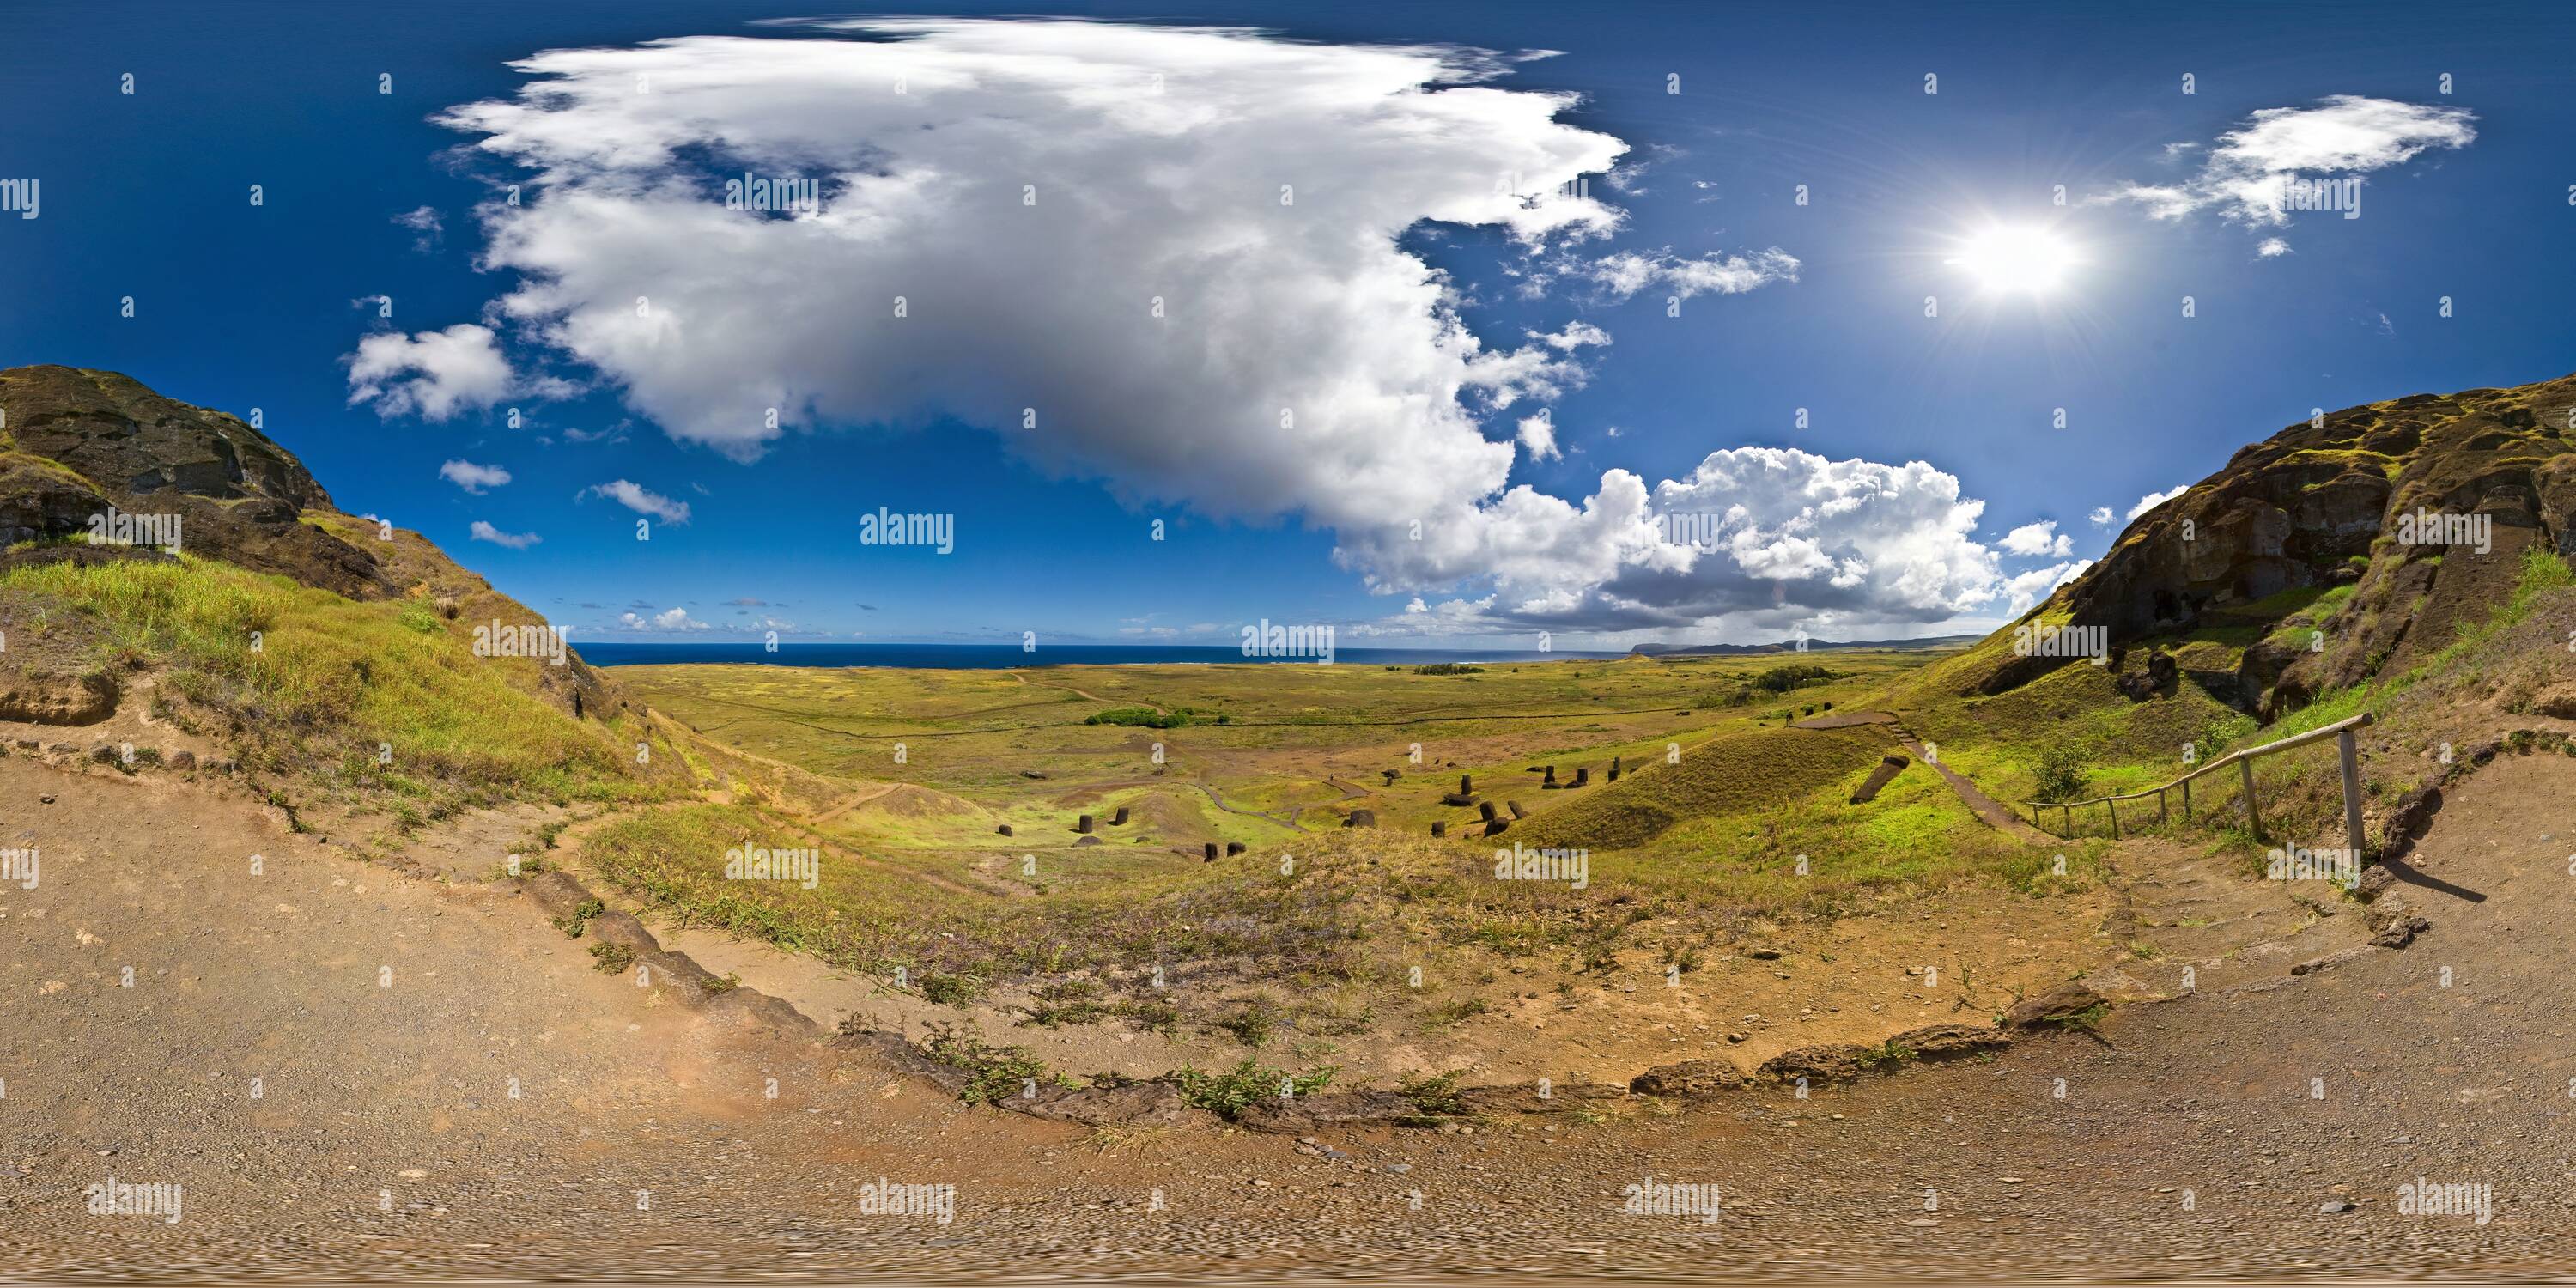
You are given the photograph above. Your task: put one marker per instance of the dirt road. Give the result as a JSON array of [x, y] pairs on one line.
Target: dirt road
[[386, 1019]]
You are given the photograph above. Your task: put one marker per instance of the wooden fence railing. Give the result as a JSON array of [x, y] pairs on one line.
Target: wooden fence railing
[[2341, 731]]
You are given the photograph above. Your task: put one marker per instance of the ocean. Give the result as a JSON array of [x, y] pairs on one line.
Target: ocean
[[993, 657]]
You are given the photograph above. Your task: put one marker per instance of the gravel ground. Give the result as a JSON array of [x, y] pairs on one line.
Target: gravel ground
[[2262, 1133]]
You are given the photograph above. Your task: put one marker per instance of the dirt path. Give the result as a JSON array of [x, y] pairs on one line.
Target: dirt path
[[2198, 1137], [1994, 812]]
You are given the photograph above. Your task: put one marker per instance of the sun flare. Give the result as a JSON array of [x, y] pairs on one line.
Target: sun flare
[[2017, 259]]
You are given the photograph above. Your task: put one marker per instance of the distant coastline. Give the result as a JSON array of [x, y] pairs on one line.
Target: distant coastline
[[995, 657]]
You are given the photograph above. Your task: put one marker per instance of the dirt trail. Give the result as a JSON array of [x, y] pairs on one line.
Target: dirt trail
[[2196, 1137], [1995, 813]]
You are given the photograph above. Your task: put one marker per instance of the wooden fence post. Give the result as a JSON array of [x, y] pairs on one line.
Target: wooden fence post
[[2351, 758], [2186, 800], [2253, 816], [2114, 806]]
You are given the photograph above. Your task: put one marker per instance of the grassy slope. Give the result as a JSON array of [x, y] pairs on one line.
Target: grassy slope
[[2134, 746], [313, 686]]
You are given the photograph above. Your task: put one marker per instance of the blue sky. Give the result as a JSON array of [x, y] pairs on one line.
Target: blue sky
[[1820, 306]]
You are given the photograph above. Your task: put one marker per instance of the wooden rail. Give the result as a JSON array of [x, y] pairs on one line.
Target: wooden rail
[[2341, 731]]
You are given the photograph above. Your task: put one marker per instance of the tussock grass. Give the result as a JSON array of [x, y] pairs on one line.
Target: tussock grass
[[318, 685]]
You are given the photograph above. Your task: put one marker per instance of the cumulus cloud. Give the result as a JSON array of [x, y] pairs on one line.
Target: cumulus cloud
[[641, 500], [2248, 174], [1538, 435], [475, 479], [669, 619], [1628, 272], [482, 531], [2026, 589], [2272, 248], [2153, 499], [1753, 538], [2038, 539], [433, 374], [1031, 189], [1172, 259], [2101, 516]]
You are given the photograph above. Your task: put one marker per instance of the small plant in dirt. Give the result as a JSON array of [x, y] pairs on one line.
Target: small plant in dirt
[[2086, 1020], [725, 983], [952, 990], [1448, 1013], [1887, 1055], [608, 958], [1072, 1001], [993, 1073], [1434, 1097], [579, 920], [1228, 1094], [1253, 1022]]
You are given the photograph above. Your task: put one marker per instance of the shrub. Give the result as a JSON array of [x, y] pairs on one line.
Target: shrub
[[1229, 1094], [2060, 774]]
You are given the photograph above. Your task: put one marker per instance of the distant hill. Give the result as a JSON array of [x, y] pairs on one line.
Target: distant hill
[[1791, 646]]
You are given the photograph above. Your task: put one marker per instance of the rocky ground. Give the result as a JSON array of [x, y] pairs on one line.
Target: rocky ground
[[446, 1088]]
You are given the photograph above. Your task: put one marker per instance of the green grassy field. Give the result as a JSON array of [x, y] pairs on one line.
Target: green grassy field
[[1724, 822]]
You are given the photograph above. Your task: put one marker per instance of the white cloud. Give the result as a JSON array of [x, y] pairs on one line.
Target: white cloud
[[434, 374], [475, 479], [2038, 539], [2153, 499], [1754, 537], [2272, 248], [641, 500], [1628, 272], [424, 221], [2246, 174], [2101, 516], [1538, 435], [1030, 188], [482, 531], [1153, 160], [2026, 589], [669, 619]]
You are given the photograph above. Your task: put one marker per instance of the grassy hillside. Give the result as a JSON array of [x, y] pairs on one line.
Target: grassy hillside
[[349, 700]]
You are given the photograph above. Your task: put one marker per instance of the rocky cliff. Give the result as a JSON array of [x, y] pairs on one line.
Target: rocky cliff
[[78, 447], [2423, 506]]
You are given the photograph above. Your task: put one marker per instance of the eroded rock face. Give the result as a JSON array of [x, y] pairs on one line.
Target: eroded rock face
[[127, 439], [2319, 505], [87, 442]]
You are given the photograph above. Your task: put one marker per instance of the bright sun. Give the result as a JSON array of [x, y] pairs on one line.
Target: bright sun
[[2017, 258]]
